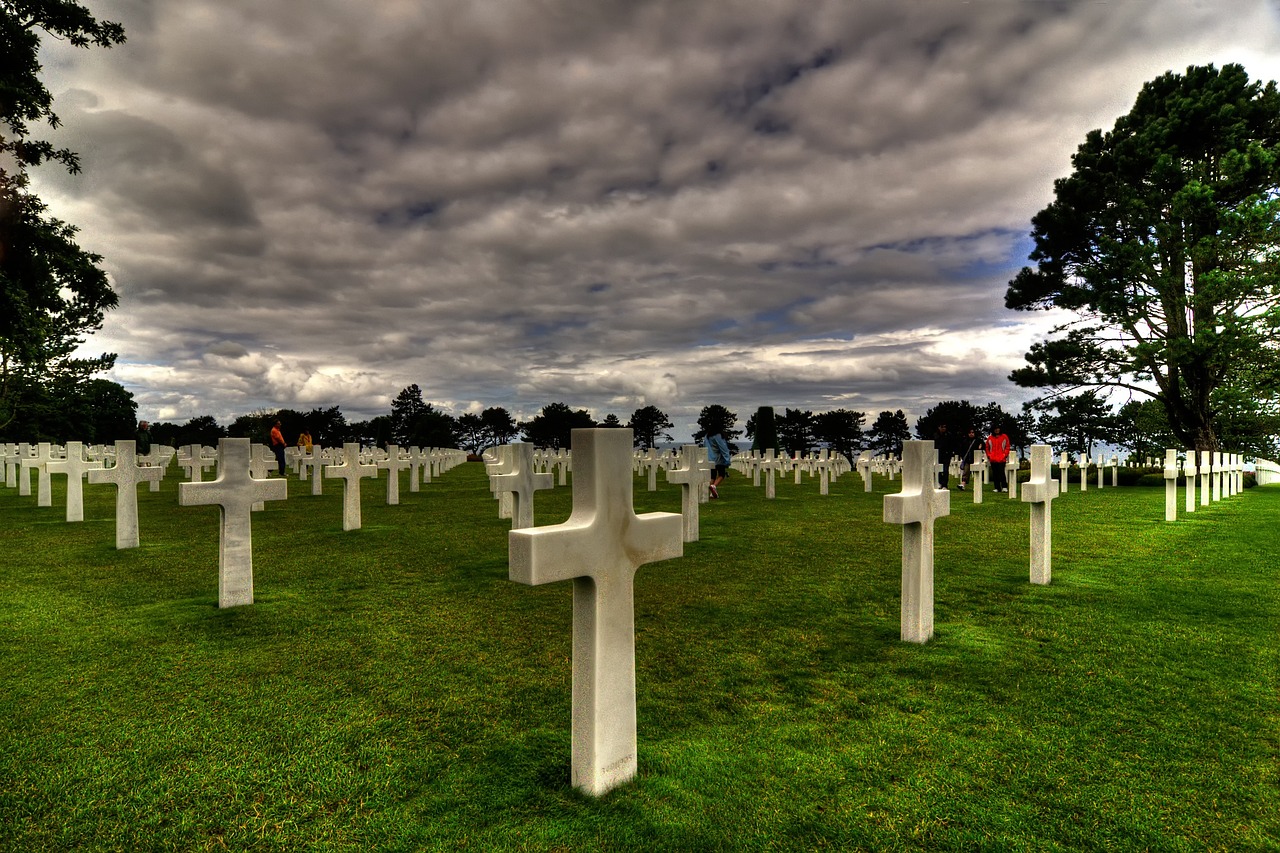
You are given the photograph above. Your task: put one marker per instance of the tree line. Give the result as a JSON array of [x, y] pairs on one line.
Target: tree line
[[411, 421], [100, 411]]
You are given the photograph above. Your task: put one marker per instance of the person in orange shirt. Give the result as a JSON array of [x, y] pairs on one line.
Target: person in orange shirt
[[277, 445], [997, 455]]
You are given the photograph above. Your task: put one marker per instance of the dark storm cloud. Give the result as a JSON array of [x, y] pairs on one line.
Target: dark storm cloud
[[612, 204]]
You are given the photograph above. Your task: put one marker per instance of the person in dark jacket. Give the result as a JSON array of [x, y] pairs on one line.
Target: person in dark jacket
[[945, 446]]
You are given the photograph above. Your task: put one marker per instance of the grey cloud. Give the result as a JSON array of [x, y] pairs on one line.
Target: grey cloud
[[598, 202]]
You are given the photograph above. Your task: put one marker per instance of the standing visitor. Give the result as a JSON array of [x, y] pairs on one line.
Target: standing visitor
[[942, 443], [997, 455], [143, 441], [972, 444], [277, 445]]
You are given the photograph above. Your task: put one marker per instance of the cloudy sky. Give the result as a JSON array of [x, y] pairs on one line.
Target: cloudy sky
[[797, 203]]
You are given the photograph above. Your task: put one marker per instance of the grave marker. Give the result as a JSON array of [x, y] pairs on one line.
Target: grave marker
[[75, 467], [235, 492], [125, 476], [978, 468], [915, 508], [693, 475], [1205, 475], [1040, 491], [521, 481], [1170, 485], [600, 548], [393, 465], [1189, 473], [350, 472]]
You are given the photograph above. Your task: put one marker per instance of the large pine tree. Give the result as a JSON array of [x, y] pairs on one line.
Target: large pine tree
[[1165, 243]]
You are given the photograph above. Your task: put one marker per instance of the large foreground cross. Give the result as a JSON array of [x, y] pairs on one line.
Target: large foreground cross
[[235, 492], [915, 508], [599, 548]]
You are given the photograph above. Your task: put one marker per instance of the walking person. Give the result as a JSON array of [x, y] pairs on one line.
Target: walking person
[[719, 457]]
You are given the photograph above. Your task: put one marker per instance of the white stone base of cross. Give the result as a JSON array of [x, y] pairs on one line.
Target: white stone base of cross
[[599, 548]]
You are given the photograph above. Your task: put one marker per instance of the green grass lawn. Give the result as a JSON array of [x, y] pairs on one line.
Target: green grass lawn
[[391, 689]]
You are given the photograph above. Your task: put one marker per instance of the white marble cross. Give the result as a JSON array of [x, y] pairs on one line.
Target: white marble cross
[[75, 467], [1040, 491], [393, 465], [978, 470], [416, 460], [651, 463], [504, 462], [1215, 482], [864, 470], [125, 476], [1189, 473], [915, 508], [1205, 475], [11, 457], [823, 464], [1011, 475], [312, 465], [24, 469], [1064, 466], [693, 475], [39, 461], [770, 465], [1170, 485], [1101, 469], [1084, 472], [521, 481], [194, 463], [350, 473], [235, 492], [600, 548]]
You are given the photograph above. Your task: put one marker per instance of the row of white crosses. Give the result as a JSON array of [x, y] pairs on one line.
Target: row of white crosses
[[604, 542], [75, 461], [1221, 476], [1084, 461], [240, 487], [921, 501]]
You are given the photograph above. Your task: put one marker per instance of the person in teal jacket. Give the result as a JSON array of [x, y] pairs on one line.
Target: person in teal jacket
[[719, 457]]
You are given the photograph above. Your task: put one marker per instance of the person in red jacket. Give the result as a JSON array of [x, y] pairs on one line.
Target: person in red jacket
[[277, 445], [997, 455]]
